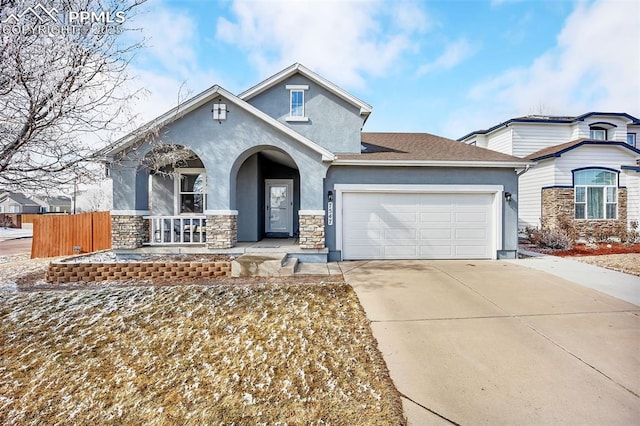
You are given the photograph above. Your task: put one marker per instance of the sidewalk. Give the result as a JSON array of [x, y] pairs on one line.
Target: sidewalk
[[13, 233], [617, 284]]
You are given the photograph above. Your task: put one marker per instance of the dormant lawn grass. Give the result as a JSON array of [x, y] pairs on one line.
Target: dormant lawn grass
[[192, 354]]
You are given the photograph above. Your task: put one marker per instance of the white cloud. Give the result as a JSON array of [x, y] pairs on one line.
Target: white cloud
[[453, 54], [343, 41], [595, 66]]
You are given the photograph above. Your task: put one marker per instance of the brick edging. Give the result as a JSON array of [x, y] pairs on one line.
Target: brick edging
[[86, 272]]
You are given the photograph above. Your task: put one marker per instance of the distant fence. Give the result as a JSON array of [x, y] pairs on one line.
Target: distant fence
[[28, 217], [10, 220], [59, 235]]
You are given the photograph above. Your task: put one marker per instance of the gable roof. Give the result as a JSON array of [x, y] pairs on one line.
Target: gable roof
[[551, 119], [365, 108], [18, 198], [424, 149], [196, 102], [558, 150]]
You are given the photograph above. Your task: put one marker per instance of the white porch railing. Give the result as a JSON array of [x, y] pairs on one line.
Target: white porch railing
[[176, 229]]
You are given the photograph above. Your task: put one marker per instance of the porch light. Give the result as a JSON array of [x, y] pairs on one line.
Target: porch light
[[507, 197], [219, 111], [330, 196]]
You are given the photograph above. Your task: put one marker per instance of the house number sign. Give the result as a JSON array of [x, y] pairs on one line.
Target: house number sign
[[330, 213]]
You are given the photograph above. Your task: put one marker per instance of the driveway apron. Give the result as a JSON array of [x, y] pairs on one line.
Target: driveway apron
[[491, 342]]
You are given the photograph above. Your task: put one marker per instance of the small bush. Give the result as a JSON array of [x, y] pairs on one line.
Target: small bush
[[555, 238]]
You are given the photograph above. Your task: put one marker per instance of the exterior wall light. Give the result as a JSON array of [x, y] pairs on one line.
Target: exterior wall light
[[507, 197]]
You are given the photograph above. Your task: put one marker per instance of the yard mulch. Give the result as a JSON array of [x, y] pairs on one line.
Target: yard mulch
[[254, 352]]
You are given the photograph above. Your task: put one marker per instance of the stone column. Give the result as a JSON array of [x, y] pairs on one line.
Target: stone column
[[222, 229], [312, 229], [128, 231]]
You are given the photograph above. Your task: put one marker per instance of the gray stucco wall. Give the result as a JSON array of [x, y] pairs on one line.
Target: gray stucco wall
[[223, 148], [431, 176], [162, 190], [333, 123]]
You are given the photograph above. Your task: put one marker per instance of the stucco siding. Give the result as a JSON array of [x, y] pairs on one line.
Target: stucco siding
[[529, 138], [162, 200], [429, 176], [332, 122], [530, 186]]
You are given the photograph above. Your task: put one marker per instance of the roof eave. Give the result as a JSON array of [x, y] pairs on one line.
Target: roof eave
[[432, 163]]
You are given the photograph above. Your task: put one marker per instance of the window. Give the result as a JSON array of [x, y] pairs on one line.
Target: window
[[296, 102], [598, 133], [631, 139], [191, 191], [596, 194]]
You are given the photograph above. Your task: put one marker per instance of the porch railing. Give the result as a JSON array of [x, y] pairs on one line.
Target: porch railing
[[176, 229]]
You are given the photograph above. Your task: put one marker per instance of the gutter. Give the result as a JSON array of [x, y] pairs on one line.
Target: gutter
[[431, 163]]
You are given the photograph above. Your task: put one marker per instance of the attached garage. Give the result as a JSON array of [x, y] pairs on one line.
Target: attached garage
[[419, 221]]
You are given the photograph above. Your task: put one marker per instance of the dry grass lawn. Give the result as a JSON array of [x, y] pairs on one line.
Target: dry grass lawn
[[193, 354]]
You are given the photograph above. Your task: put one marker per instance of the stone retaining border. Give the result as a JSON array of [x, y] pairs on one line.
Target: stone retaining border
[[74, 272]]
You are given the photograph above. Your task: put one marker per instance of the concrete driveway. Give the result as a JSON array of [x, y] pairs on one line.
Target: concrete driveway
[[490, 342]]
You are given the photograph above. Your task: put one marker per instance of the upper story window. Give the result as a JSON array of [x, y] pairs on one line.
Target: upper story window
[[631, 139], [596, 194], [296, 102], [598, 133]]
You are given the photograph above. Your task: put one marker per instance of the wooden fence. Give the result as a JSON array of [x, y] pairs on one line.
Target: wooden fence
[[59, 235], [28, 217]]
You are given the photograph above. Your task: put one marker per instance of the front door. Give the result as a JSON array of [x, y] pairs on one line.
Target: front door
[[279, 204]]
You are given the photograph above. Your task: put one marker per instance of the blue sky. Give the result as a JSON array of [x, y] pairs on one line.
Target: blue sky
[[442, 67]]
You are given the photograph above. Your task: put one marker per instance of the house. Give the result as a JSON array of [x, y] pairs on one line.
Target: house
[[13, 202], [587, 169], [287, 159], [54, 204]]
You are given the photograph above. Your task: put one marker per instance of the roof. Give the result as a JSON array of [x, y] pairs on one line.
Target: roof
[[365, 108], [558, 150], [551, 119], [196, 102], [19, 198], [425, 149]]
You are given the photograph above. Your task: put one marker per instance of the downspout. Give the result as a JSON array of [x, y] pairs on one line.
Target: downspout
[[526, 169]]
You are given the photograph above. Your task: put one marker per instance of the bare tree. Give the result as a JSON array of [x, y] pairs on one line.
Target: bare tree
[[63, 86]]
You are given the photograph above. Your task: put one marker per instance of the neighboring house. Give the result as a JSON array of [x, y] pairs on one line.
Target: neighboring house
[[55, 204], [586, 170], [13, 202], [287, 158]]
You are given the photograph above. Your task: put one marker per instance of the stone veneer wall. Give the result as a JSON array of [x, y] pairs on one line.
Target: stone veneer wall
[[312, 231], [128, 232], [222, 231], [74, 272], [559, 202]]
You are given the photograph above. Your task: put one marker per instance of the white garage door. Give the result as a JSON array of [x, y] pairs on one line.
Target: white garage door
[[377, 225]]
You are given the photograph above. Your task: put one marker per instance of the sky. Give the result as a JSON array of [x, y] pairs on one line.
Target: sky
[[441, 67]]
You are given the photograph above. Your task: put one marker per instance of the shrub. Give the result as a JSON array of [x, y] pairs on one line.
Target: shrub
[[554, 238]]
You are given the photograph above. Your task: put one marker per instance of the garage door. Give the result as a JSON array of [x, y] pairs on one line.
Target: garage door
[[377, 225]]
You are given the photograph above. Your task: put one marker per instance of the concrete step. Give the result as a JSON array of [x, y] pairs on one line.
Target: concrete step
[[289, 267], [264, 265]]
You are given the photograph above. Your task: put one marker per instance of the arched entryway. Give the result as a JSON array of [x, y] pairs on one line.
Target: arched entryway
[[267, 195]]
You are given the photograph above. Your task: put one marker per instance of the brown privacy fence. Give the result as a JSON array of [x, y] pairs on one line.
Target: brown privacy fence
[[28, 217], [70, 234]]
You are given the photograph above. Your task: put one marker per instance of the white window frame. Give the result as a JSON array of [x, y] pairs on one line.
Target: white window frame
[[631, 139], [297, 88], [177, 190], [595, 131], [605, 202]]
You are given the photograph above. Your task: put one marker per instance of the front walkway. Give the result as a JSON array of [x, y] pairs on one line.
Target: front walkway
[[492, 342]]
